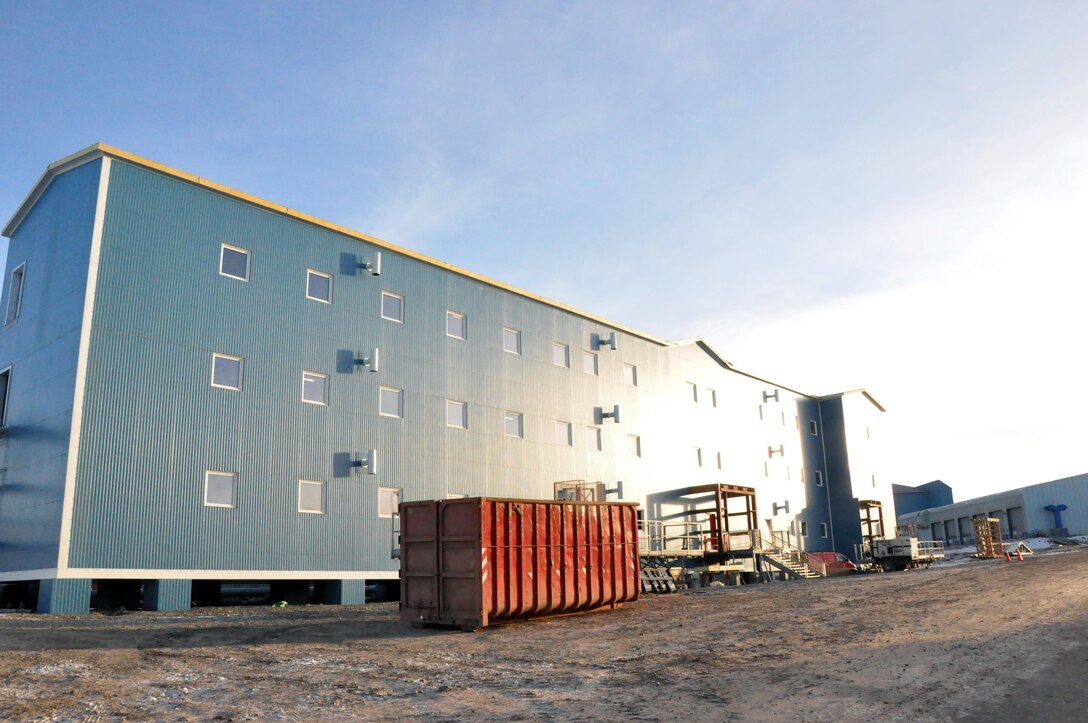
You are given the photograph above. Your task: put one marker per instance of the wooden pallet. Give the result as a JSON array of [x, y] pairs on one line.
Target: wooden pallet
[[657, 580]]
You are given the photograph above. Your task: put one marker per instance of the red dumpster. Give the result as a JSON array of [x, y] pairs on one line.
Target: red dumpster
[[481, 561]]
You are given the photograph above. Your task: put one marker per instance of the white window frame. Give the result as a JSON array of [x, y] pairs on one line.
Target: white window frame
[[233, 488], [393, 295], [819, 478], [15, 295], [517, 416], [823, 530], [568, 434], [6, 397], [804, 528], [450, 314], [586, 356], [396, 494], [557, 346], [598, 442], [633, 375], [325, 395], [463, 406], [239, 249], [517, 340], [315, 272], [400, 403], [321, 484], [637, 451], [241, 371], [813, 428]]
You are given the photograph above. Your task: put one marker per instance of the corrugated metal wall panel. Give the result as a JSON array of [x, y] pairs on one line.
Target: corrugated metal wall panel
[[155, 424], [42, 347]]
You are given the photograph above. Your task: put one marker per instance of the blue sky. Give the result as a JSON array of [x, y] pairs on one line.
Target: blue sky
[[835, 195]]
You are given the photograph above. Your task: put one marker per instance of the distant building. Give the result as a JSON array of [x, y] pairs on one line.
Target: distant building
[[922, 497], [1024, 512], [198, 385]]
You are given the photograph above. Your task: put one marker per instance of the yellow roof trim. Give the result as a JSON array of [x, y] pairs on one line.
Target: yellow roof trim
[[99, 149]]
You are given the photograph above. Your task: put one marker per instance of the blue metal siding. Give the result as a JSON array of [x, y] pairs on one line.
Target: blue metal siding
[[42, 347], [153, 423]]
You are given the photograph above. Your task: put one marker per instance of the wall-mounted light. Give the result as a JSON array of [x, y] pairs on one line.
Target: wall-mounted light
[[784, 507], [370, 462], [374, 266], [614, 415], [368, 361], [599, 342], [781, 451]]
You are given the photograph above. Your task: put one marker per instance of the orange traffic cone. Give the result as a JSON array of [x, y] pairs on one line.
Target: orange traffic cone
[[1008, 557], [1019, 555]]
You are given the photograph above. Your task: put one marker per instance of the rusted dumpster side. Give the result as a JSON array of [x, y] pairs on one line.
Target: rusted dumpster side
[[480, 561]]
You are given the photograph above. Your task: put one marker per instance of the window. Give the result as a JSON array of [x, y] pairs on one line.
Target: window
[[5, 386], [563, 434], [819, 478], [634, 445], [220, 488], [712, 396], [388, 501], [315, 388], [513, 425], [812, 428], [561, 355], [234, 262], [823, 529], [456, 414], [719, 457], [589, 363], [804, 529], [511, 341], [393, 307], [698, 456], [311, 496], [873, 478], [694, 392], [593, 438], [15, 293], [318, 286], [390, 402], [456, 327], [226, 371], [630, 375]]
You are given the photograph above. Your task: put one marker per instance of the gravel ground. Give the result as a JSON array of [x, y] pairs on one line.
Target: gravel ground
[[987, 640]]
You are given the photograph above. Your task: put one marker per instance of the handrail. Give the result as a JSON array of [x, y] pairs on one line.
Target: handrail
[[779, 546]]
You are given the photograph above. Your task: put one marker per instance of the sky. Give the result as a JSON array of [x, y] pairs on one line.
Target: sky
[[833, 194]]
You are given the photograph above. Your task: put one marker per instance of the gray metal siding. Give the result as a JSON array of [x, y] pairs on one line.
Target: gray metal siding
[[42, 347], [1070, 491]]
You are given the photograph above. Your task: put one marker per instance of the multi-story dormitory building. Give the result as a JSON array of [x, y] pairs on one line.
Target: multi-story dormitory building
[[201, 385]]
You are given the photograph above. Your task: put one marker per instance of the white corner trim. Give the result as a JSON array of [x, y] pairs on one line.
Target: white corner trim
[[119, 573], [81, 371], [47, 573]]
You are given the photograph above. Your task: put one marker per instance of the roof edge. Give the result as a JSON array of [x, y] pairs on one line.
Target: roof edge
[[726, 364], [100, 149]]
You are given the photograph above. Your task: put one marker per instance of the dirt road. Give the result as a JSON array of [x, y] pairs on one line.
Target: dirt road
[[985, 640]]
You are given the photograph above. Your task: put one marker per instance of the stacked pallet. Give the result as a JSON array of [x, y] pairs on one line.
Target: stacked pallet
[[988, 537]]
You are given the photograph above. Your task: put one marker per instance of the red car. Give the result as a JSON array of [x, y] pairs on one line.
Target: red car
[[835, 562]]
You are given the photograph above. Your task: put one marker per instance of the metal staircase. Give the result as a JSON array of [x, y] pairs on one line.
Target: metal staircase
[[794, 563]]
